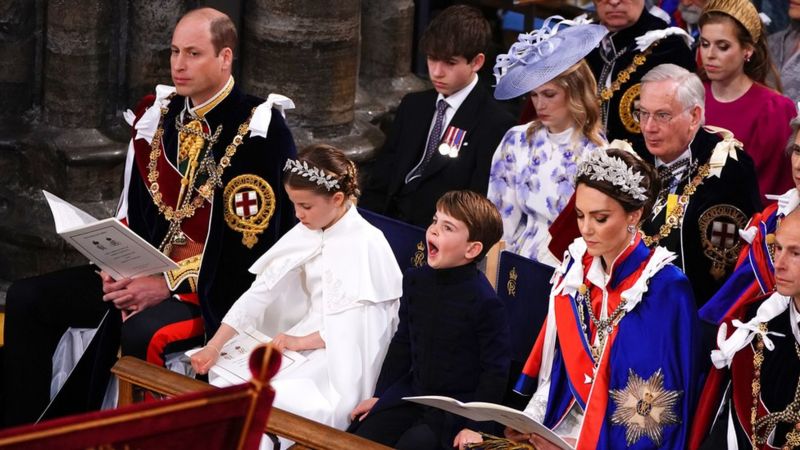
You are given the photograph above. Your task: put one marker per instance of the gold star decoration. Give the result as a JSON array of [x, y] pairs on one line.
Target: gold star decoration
[[645, 407]]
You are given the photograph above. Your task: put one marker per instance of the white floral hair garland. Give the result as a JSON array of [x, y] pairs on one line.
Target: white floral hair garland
[[314, 174], [601, 167]]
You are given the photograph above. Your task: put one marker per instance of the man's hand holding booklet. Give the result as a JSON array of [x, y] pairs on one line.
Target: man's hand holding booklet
[[109, 244]]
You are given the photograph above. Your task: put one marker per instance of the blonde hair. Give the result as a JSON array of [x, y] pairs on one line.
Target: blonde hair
[[581, 91]]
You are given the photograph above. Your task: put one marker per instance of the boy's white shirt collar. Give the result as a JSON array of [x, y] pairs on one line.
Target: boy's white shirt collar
[[455, 99]]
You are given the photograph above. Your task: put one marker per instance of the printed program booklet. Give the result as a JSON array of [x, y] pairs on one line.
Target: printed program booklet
[[109, 244], [233, 365], [482, 411]]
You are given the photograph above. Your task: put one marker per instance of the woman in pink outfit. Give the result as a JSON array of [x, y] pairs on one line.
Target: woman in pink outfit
[[735, 65]]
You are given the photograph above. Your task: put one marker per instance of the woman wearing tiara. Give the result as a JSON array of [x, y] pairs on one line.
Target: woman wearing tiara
[[327, 289], [533, 169], [617, 361]]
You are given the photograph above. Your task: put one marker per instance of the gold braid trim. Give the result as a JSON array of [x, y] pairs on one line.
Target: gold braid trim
[[673, 220]]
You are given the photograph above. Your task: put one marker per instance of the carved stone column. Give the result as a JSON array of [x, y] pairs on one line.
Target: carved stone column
[[66, 151], [76, 57], [308, 51], [18, 54], [151, 23], [386, 48]]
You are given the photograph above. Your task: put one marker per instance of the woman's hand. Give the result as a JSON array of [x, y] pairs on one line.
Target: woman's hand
[[204, 359], [362, 409], [466, 436]]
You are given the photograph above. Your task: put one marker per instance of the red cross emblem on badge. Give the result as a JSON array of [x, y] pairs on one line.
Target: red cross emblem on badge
[[246, 203], [723, 234]]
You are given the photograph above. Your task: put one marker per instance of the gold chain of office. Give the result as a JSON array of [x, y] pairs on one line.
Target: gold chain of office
[[205, 191], [768, 423], [673, 219], [625, 75]]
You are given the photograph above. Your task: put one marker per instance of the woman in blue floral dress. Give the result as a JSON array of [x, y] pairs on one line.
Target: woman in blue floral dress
[[533, 170]]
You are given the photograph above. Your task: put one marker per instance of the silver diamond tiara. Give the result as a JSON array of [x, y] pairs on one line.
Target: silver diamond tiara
[[314, 174], [601, 167]]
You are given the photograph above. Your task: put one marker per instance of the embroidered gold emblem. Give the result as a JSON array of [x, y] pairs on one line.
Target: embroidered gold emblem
[[419, 257], [249, 205], [719, 235], [511, 286], [644, 407], [627, 104], [188, 269]]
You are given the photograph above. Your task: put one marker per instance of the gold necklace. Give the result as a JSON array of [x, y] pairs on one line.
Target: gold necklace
[[187, 208], [673, 220]]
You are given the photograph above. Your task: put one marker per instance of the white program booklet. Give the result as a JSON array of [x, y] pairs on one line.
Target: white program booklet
[[233, 364], [107, 243], [481, 412]]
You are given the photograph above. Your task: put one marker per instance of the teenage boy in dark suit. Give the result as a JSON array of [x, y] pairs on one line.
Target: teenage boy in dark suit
[[444, 138]]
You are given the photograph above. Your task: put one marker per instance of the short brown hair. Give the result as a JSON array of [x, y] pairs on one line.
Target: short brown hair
[[459, 30], [478, 213], [331, 161], [222, 29]]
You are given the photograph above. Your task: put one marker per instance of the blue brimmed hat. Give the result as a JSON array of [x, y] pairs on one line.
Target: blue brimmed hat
[[541, 55]]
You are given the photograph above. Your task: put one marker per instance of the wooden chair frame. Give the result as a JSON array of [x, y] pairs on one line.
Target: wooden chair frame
[[132, 372]]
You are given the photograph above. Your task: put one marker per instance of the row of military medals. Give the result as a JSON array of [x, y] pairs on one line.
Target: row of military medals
[[191, 142], [452, 140]]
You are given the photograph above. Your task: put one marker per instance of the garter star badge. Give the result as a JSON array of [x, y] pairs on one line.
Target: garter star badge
[[644, 407], [249, 204]]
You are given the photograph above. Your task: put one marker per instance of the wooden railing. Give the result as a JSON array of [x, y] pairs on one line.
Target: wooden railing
[[306, 433]]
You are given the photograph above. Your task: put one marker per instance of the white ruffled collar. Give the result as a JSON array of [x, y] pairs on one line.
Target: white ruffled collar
[[573, 278], [771, 308], [787, 202]]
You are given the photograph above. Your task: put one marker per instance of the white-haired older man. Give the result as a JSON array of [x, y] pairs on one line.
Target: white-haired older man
[[709, 187], [637, 41]]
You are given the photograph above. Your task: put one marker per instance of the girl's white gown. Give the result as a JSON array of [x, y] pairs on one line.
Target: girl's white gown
[[343, 282]]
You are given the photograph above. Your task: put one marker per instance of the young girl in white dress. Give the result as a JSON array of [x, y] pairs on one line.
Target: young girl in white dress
[[328, 289]]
